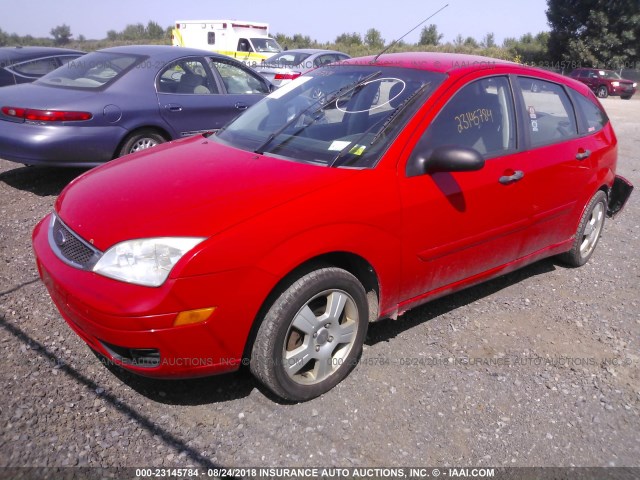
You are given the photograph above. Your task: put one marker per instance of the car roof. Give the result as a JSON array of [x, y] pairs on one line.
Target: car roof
[[432, 61], [162, 51], [458, 65], [18, 54]]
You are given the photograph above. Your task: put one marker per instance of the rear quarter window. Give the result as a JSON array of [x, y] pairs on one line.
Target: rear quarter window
[[591, 118]]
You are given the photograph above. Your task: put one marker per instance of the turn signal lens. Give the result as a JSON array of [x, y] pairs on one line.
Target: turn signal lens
[[193, 316], [45, 115]]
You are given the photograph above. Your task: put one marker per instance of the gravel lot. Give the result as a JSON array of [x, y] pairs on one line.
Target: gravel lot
[[540, 367]]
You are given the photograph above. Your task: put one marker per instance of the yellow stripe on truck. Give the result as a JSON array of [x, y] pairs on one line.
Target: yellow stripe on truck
[[177, 38]]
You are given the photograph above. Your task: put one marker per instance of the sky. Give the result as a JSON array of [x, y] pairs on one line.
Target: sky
[[323, 21]]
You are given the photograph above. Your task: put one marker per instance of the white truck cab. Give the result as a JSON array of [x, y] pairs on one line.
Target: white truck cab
[[248, 42]]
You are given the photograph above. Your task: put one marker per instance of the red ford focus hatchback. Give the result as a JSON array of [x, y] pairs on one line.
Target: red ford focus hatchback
[[352, 194]]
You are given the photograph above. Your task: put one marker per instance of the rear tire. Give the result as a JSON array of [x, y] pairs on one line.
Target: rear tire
[[141, 140], [589, 231], [312, 336]]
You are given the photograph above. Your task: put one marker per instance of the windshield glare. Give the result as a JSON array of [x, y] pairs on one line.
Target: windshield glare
[[609, 75], [337, 115]]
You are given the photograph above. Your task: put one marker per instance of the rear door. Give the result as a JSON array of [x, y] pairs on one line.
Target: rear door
[[559, 162]]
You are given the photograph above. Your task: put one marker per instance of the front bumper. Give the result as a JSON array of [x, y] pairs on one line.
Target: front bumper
[[132, 326], [622, 91], [58, 145]]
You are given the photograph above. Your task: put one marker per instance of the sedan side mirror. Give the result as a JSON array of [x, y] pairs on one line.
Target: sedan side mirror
[[446, 158]]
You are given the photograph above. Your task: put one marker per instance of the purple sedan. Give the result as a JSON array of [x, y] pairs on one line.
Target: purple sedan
[[121, 100]]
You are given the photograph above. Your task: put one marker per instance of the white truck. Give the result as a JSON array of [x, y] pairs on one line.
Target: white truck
[[248, 42]]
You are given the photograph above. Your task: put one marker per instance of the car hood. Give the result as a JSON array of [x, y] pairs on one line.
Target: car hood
[[30, 95], [192, 187]]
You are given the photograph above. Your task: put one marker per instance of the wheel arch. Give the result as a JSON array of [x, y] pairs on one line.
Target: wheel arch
[[154, 128], [355, 264]]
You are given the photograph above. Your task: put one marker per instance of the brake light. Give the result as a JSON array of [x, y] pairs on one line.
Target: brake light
[[46, 115], [287, 76]]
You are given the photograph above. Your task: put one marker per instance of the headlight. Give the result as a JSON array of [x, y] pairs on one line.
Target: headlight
[[146, 261], [615, 84], [635, 85]]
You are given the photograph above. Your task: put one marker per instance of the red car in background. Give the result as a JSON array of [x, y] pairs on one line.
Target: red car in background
[[278, 239], [605, 82]]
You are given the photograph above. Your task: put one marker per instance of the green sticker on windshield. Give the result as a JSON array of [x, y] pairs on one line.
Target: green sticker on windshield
[[357, 150]]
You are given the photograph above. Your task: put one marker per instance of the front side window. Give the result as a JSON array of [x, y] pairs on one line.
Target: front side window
[[186, 76], [91, 71], [336, 117], [243, 45], [550, 115], [265, 45], [325, 59], [237, 80], [479, 116]]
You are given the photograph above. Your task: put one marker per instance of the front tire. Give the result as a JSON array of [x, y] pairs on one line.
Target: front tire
[[626, 97], [589, 231], [140, 140], [312, 336]]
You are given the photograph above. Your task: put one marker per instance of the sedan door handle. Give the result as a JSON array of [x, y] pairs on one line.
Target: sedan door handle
[[241, 106], [583, 154], [507, 179], [173, 107]]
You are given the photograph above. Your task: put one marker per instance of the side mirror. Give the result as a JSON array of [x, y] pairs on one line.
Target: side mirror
[[446, 158]]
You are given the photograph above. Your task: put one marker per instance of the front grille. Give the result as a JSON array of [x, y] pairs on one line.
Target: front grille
[[70, 248]]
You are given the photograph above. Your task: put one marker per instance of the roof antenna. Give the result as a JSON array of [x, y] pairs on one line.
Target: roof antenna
[[396, 41]]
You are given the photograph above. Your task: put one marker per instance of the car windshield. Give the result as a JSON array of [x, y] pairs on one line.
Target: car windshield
[[91, 71], [335, 116], [609, 74], [265, 45]]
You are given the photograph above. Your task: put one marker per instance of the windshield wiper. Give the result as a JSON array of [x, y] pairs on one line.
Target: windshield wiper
[[399, 109], [329, 99]]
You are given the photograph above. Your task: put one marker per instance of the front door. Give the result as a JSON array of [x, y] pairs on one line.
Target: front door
[[460, 224]]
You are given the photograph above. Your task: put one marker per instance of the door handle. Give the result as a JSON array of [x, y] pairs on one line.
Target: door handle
[[583, 154], [241, 106], [507, 179], [173, 107]]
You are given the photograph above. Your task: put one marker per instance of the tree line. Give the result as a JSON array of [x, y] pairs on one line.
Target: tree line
[[582, 33]]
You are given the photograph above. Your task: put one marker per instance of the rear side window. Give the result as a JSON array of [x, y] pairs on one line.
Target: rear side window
[[36, 68], [593, 117], [550, 115]]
